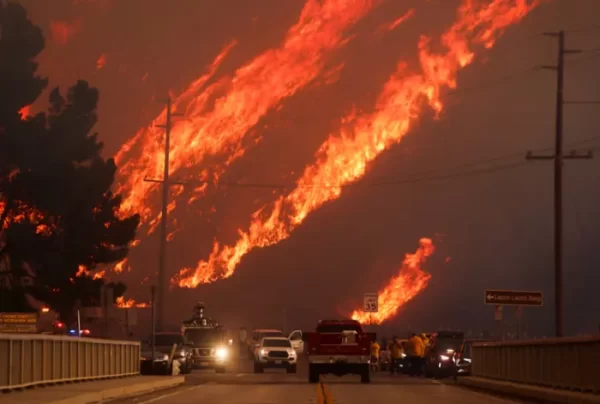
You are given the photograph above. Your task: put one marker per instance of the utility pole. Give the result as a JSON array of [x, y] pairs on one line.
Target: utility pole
[[162, 249], [558, 158], [153, 319]]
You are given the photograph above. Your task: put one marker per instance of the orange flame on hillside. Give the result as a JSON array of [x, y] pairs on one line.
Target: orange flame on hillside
[[119, 266], [409, 282], [129, 303], [99, 275], [344, 157], [219, 116]]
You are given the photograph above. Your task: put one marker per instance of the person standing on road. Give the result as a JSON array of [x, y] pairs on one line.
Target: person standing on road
[[396, 349], [425, 343], [243, 336], [375, 348], [414, 353]]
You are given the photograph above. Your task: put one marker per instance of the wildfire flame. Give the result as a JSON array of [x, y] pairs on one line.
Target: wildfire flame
[[119, 266], [409, 282], [220, 115], [344, 157], [129, 303], [25, 112]]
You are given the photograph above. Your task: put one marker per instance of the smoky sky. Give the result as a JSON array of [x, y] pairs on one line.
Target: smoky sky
[[496, 226]]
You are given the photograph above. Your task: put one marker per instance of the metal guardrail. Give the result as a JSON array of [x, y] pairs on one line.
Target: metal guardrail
[[34, 359], [566, 363]]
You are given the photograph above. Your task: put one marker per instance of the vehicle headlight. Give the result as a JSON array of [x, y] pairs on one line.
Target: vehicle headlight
[[160, 358], [449, 351], [221, 353], [403, 355], [263, 352], [444, 357], [291, 352], [468, 360]]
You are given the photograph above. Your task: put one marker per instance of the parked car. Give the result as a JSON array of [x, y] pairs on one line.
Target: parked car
[[163, 346]]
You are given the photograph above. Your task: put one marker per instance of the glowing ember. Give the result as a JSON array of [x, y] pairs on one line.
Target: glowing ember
[[101, 62], [129, 303], [119, 266], [409, 282], [344, 157], [395, 24], [219, 116], [99, 275], [82, 271], [25, 112]]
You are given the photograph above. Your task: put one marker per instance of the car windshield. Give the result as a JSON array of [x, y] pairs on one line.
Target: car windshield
[[271, 334], [442, 344], [276, 343], [199, 337], [168, 339], [337, 328]]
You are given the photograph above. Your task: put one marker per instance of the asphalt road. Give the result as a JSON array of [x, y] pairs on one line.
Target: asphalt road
[[241, 386]]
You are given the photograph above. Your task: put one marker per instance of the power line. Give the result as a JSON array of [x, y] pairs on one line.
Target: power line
[[418, 177], [589, 28]]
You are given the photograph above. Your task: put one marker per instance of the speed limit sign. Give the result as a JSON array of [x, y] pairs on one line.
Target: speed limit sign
[[371, 303]]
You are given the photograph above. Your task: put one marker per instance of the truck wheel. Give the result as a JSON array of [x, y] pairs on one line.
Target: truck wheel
[[313, 374], [291, 369], [365, 375], [220, 369]]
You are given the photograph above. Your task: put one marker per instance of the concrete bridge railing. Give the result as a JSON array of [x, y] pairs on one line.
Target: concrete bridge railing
[[34, 359], [567, 363]]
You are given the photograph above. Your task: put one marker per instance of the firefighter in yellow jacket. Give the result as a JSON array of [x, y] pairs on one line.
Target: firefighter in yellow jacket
[[396, 354], [415, 349], [375, 349]]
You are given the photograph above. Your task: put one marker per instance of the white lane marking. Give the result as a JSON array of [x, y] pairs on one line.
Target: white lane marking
[[240, 374], [436, 381], [162, 397]]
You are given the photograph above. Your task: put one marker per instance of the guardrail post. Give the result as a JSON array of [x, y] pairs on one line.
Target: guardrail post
[[33, 361], [22, 364], [10, 362]]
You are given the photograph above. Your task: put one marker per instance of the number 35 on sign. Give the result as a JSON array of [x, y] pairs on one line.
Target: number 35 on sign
[[371, 303]]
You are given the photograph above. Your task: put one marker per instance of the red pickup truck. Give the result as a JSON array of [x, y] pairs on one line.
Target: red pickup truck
[[339, 347]]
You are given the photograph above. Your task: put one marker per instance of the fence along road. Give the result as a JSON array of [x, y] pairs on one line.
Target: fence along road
[[35, 359]]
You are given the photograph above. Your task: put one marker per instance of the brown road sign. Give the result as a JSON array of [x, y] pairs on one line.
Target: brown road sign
[[514, 297], [18, 322]]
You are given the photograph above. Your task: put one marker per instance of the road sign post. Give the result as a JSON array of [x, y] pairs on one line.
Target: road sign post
[[498, 313], [371, 305]]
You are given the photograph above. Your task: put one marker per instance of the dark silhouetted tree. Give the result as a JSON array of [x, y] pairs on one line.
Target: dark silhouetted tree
[[57, 210]]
